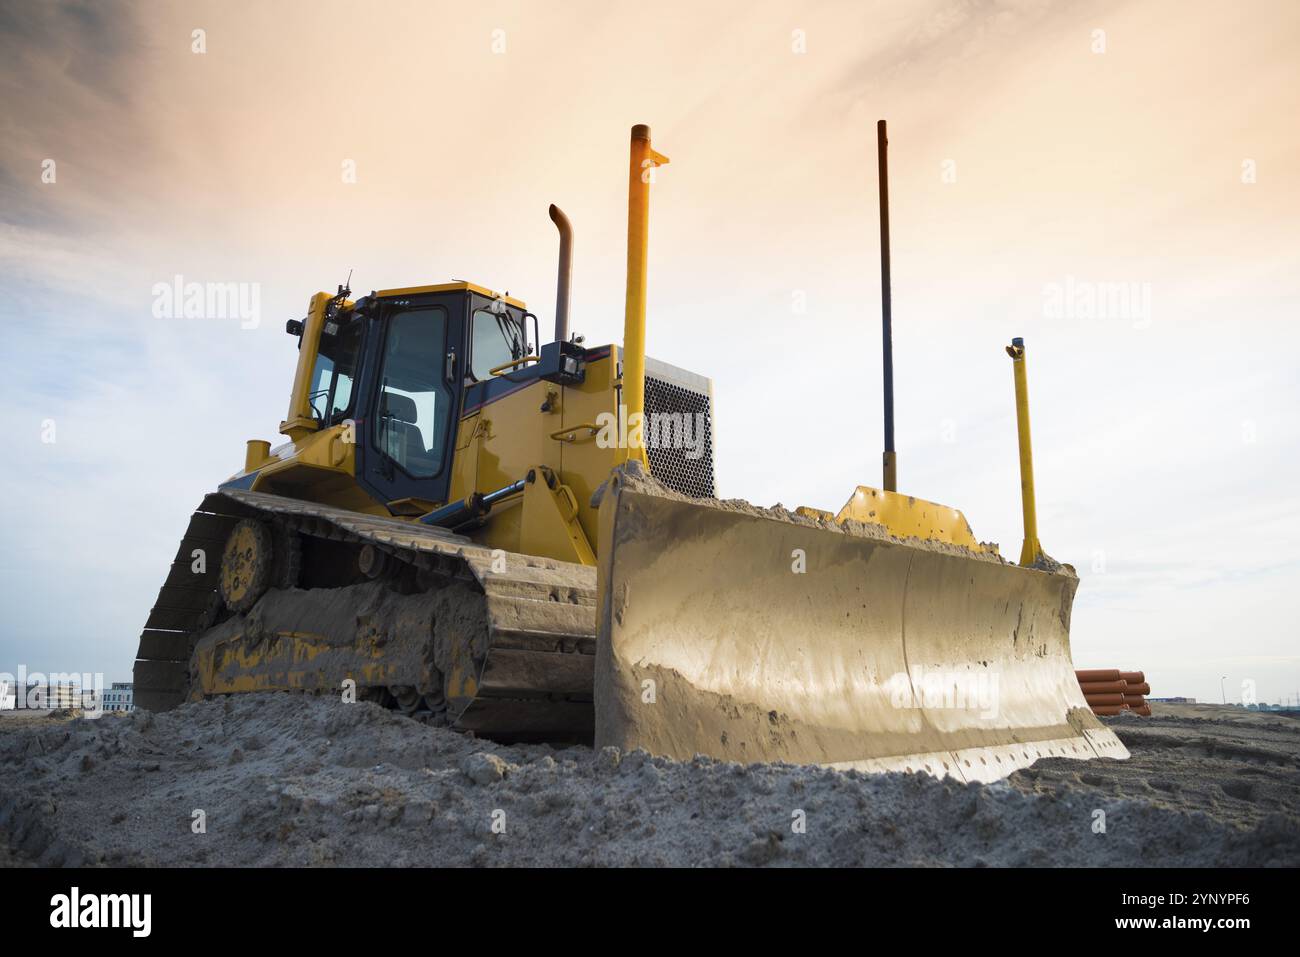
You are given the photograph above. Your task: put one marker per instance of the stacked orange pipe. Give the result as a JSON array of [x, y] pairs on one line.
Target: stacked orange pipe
[[1110, 691]]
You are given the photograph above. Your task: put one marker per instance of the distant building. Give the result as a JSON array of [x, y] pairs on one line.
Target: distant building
[[120, 697], [62, 696], [39, 692], [1173, 700]]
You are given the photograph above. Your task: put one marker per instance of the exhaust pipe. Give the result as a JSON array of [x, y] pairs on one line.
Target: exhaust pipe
[[564, 281]]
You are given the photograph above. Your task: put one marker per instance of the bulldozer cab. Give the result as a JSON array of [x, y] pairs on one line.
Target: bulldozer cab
[[398, 365]]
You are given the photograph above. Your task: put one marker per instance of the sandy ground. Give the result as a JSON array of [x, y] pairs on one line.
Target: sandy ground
[[290, 780], [1233, 765]]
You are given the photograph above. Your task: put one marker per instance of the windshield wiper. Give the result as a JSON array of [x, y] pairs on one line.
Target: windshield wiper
[[510, 332]]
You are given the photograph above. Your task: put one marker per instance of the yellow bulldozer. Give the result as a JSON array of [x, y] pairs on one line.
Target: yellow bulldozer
[[522, 540]]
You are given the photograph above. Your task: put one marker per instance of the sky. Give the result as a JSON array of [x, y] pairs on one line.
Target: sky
[[1043, 157]]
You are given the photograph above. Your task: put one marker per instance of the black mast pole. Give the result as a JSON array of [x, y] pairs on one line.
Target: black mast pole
[[886, 306]]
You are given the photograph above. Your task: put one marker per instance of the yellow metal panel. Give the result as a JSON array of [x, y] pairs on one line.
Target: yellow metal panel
[[909, 517], [464, 465], [318, 467], [514, 440], [584, 465], [508, 437], [538, 425], [453, 287]]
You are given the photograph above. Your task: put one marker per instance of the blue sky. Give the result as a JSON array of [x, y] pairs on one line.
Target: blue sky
[[1166, 443]]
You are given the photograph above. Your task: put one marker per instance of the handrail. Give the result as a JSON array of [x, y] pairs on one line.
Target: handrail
[[560, 436], [512, 363]]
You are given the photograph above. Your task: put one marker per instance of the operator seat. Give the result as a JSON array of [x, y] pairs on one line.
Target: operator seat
[[402, 439]]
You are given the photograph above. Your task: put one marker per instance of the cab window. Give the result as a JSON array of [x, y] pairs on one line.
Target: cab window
[[333, 374], [496, 338], [414, 412]]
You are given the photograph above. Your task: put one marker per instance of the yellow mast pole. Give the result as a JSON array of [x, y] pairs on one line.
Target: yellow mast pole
[[640, 175], [1031, 550]]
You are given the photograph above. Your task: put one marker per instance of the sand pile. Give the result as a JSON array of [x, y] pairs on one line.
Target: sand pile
[[284, 779]]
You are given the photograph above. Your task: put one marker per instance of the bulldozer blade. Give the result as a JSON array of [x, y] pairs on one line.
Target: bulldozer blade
[[758, 635]]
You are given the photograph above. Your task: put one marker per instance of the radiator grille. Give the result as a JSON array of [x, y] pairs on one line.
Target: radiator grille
[[669, 460]]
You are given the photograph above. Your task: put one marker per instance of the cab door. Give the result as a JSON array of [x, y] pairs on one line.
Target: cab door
[[406, 440]]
